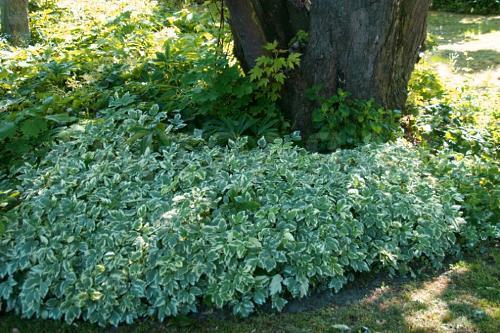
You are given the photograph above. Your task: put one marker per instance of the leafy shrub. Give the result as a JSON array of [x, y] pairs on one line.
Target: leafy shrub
[[425, 87], [269, 73], [109, 232], [468, 6], [459, 150], [476, 177], [344, 122], [73, 68], [450, 126], [35, 5], [258, 116], [467, 156], [125, 217], [213, 94], [443, 117], [20, 131]]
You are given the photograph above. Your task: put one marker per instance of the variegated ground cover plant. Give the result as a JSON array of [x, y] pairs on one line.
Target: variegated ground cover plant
[[111, 230]]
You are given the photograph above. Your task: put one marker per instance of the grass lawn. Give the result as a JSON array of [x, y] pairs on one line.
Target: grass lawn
[[467, 55]]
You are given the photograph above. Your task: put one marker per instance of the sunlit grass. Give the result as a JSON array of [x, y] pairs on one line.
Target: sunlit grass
[[466, 43], [467, 59], [453, 28]]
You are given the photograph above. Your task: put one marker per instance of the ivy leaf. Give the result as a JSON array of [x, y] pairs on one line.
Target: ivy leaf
[[278, 302], [342, 328], [6, 288], [244, 308], [61, 118], [271, 46], [72, 313], [266, 261], [95, 295], [259, 296], [118, 101], [294, 59], [256, 73], [262, 142], [275, 285]]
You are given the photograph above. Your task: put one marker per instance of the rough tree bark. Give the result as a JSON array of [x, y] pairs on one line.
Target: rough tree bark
[[366, 47], [15, 22]]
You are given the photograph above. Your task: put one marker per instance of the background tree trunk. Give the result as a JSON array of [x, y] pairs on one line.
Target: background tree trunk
[[15, 22], [366, 47]]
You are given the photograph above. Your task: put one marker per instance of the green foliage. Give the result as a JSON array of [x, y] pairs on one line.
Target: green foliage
[[109, 232], [476, 178], [269, 73], [451, 126], [125, 217], [459, 150], [20, 131], [425, 87], [35, 5], [468, 157], [488, 7], [154, 134], [229, 105], [80, 60], [9, 197], [212, 94], [344, 122], [472, 290]]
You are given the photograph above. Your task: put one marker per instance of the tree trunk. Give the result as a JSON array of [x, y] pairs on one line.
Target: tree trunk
[[366, 47], [15, 22], [255, 23]]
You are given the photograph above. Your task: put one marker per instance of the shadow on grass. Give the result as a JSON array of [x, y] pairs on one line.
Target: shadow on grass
[[454, 28], [474, 294], [465, 298], [471, 61]]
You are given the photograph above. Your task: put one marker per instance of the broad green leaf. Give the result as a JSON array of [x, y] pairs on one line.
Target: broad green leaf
[[275, 285]]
